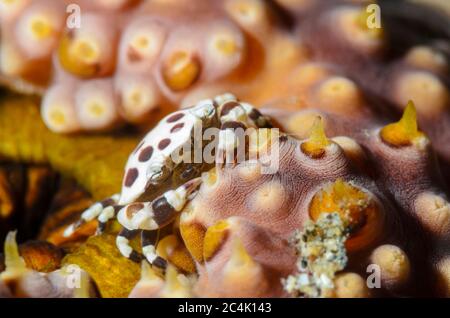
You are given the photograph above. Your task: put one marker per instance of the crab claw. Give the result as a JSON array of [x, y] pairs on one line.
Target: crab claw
[[204, 110], [161, 211], [226, 97]]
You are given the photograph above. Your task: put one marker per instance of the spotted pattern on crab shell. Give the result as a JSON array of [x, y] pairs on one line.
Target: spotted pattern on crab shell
[[154, 155], [173, 132], [167, 138], [204, 112], [146, 154]]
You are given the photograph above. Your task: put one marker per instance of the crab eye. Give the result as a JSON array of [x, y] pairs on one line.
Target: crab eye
[[156, 173], [159, 170], [205, 110]]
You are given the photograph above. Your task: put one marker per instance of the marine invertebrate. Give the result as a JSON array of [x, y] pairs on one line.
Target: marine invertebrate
[[405, 141], [241, 259], [150, 62], [156, 58], [100, 73], [153, 166], [237, 226], [369, 58], [42, 192], [381, 179]]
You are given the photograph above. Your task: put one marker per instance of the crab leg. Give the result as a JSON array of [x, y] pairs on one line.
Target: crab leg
[[91, 213], [160, 212], [148, 242], [221, 99], [235, 118], [123, 244], [258, 119], [150, 216], [254, 115], [234, 121], [107, 214]]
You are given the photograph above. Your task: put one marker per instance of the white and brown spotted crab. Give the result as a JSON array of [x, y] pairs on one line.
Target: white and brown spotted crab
[[144, 204]]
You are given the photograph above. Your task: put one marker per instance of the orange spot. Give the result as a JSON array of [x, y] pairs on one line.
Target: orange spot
[[193, 235], [358, 211], [181, 70], [172, 249], [78, 57], [41, 28], [214, 239]]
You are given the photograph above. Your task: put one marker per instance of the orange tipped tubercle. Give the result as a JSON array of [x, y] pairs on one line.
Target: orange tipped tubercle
[[315, 146], [214, 239], [404, 132]]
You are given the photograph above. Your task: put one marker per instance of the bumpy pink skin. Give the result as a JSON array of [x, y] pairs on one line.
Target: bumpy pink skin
[[405, 181], [319, 34], [289, 189], [178, 26], [143, 290], [404, 175], [377, 70], [398, 177], [274, 257]]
